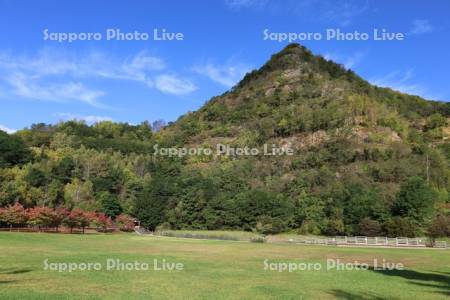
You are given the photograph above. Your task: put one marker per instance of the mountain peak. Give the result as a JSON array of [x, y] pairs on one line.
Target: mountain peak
[[289, 57], [296, 92], [295, 56]]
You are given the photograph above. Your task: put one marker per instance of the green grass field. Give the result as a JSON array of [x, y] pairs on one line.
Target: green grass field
[[212, 270]]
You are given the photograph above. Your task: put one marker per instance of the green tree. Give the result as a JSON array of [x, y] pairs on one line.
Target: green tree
[[63, 171], [79, 194], [369, 227], [399, 227], [35, 177], [12, 150], [152, 203], [110, 205], [415, 200], [439, 227]]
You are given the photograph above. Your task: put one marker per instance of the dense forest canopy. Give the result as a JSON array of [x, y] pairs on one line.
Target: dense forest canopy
[[367, 160]]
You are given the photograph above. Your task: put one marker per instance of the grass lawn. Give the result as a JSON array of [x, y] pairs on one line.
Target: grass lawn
[[212, 270], [215, 235]]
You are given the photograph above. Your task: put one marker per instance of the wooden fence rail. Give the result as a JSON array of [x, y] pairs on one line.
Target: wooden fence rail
[[373, 241]]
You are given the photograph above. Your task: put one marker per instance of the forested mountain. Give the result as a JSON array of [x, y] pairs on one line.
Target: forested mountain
[[366, 160]]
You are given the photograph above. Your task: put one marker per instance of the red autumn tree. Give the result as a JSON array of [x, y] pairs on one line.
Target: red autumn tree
[[103, 222], [39, 216], [45, 217], [58, 217], [77, 219], [13, 215], [125, 222]]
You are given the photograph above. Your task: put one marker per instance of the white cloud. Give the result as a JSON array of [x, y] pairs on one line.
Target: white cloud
[[88, 119], [171, 84], [237, 4], [135, 68], [421, 27], [349, 61], [141, 63], [52, 75], [403, 81], [228, 74], [7, 129], [94, 64], [29, 87], [41, 64], [338, 12]]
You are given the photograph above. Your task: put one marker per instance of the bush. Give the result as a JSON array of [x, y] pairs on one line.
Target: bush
[[269, 225], [309, 227], [102, 222], [335, 227], [258, 239], [440, 227], [399, 226], [164, 226], [369, 227], [125, 223]]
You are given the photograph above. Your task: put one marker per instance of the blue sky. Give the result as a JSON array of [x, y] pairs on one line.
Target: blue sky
[[135, 80]]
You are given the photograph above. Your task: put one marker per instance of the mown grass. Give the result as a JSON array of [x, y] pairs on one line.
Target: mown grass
[[213, 235], [212, 270]]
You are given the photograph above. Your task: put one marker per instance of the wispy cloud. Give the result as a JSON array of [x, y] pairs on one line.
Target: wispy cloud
[[403, 81], [172, 84], [28, 87], [88, 119], [7, 129], [136, 68], [52, 75], [421, 27], [227, 74], [341, 13], [348, 61], [49, 61], [237, 4]]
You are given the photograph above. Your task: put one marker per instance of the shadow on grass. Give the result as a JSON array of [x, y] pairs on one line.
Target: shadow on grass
[[12, 271], [7, 281], [440, 281], [341, 294]]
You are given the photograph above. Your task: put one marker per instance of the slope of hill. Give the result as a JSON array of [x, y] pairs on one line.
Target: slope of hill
[[355, 146], [366, 160]]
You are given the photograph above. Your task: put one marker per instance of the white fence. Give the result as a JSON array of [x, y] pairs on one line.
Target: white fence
[[380, 241], [372, 241]]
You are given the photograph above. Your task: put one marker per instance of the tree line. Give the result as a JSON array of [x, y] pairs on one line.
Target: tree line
[[42, 218]]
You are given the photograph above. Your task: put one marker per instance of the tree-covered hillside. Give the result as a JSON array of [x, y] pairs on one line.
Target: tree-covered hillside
[[75, 165], [367, 160]]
